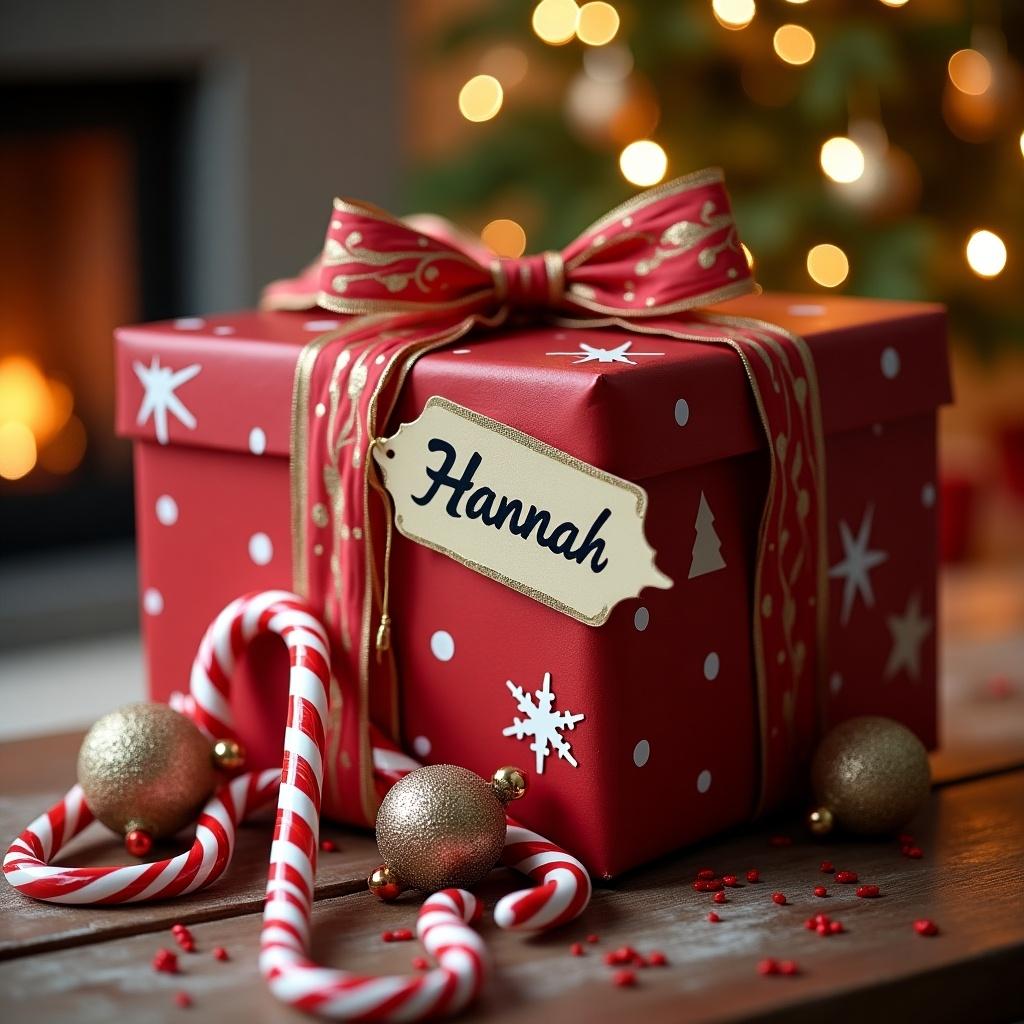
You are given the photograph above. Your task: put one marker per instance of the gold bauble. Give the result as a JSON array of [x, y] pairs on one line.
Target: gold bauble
[[146, 767], [509, 783], [440, 826], [872, 774], [228, 755]]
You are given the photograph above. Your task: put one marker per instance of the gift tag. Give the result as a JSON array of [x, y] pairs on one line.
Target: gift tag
[[528, 515]]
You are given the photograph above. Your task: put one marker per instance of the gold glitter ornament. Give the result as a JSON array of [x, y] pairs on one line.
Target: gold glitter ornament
[[145, 768], [442, 826], [870, 776]]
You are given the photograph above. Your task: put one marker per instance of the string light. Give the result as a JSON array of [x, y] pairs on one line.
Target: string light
[[17, 450], [892, 3], [597, 23], [504, 237], [970, 71], [796, 1], [794, 44], [734, 14], [1022, 143], [554, 21], [480, 98], [986, 253], [643, 162], [842, 159], [827, 265]]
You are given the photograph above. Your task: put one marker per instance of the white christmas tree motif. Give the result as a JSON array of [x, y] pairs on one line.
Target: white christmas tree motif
[[707, 547], [542, 723], [593, 354], [160, 383]]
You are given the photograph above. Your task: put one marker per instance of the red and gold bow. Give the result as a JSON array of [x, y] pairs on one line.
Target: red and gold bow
[[410, 287]]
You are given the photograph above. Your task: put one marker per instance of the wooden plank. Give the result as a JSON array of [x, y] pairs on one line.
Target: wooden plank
[[37, 772], [969, 881]]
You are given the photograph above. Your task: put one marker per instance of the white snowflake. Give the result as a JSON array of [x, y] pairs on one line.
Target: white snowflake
[[160, 384], [594, 354], [542, 723]]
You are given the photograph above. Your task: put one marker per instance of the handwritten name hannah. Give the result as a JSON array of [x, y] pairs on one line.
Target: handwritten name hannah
[[481, 503]]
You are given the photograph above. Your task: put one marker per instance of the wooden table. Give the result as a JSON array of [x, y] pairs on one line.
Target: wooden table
[[92, 964]]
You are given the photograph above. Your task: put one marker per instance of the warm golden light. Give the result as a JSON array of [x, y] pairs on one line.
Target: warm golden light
[[986, 253], [746, 252], [597, 23], [65, 452], [17, 450], [970, 72], [734, 14], [480, 98], [827, 265], [796, 1], [643, 162], [504, 237], [794, 44], [895, 3], [1022, 143], [842, 159], [508, 64], [554, 21]]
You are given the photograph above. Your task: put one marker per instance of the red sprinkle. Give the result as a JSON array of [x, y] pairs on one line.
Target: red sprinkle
[[847, 877], [810, 924], [778, 897], [576, 949], [220, 953], [835, 927], [657, 959], [789, 967], [610, 959], [421, 963], [768, 967], [780, 841], [713, 917], [906, 840], [926, 927], [624, 979], [730, 880], [914, 852], [183, 937], [753, 875], [719, 897], [328, 845], [401, 935], [593, 938], [867, 892], [182, 999], [822, 929], [820, 890], [826, 867], [165, 961], [705, 873], [713, 886], [178, 927], [388, 936]]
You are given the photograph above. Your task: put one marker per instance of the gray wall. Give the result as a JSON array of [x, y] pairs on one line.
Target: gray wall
[[297, 101]]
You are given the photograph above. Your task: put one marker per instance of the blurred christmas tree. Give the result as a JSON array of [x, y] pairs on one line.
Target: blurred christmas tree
[[871, 146]]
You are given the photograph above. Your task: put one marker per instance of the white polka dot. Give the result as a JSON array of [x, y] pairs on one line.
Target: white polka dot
[[442, 645], [320, 325], [421, 746], [189, 323], [712, 664], [682, 412], [890, 363], [835, 682], [224, 329], [641, 753], [928, 495], [806, 309], [379, 360], [320, 409], [166, 510], [641, 618], [257, 441], [153, 601], [461, 351], [261, 549], [704, 781]]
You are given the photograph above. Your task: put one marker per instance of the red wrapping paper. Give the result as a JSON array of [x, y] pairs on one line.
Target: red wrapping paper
[[668, 748]]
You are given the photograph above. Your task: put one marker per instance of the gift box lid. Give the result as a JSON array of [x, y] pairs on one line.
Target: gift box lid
[[613, 397]]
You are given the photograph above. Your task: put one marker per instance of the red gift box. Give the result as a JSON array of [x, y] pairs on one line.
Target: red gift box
[[668, 748]]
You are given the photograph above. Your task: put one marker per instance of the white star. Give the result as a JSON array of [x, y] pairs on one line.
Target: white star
[[593, 354], [857, 563], [160, 383], [908, 630]]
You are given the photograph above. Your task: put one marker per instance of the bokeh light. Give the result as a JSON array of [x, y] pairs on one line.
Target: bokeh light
[[504, 237], [842, 159], [65, 452], [554, 21], [986, 253], [827, 265], [597, 23], [970, 71], [508, 64], [794, 44], [480, 98], [734, 14], [892, 3], [643, 162], [17, 450]]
